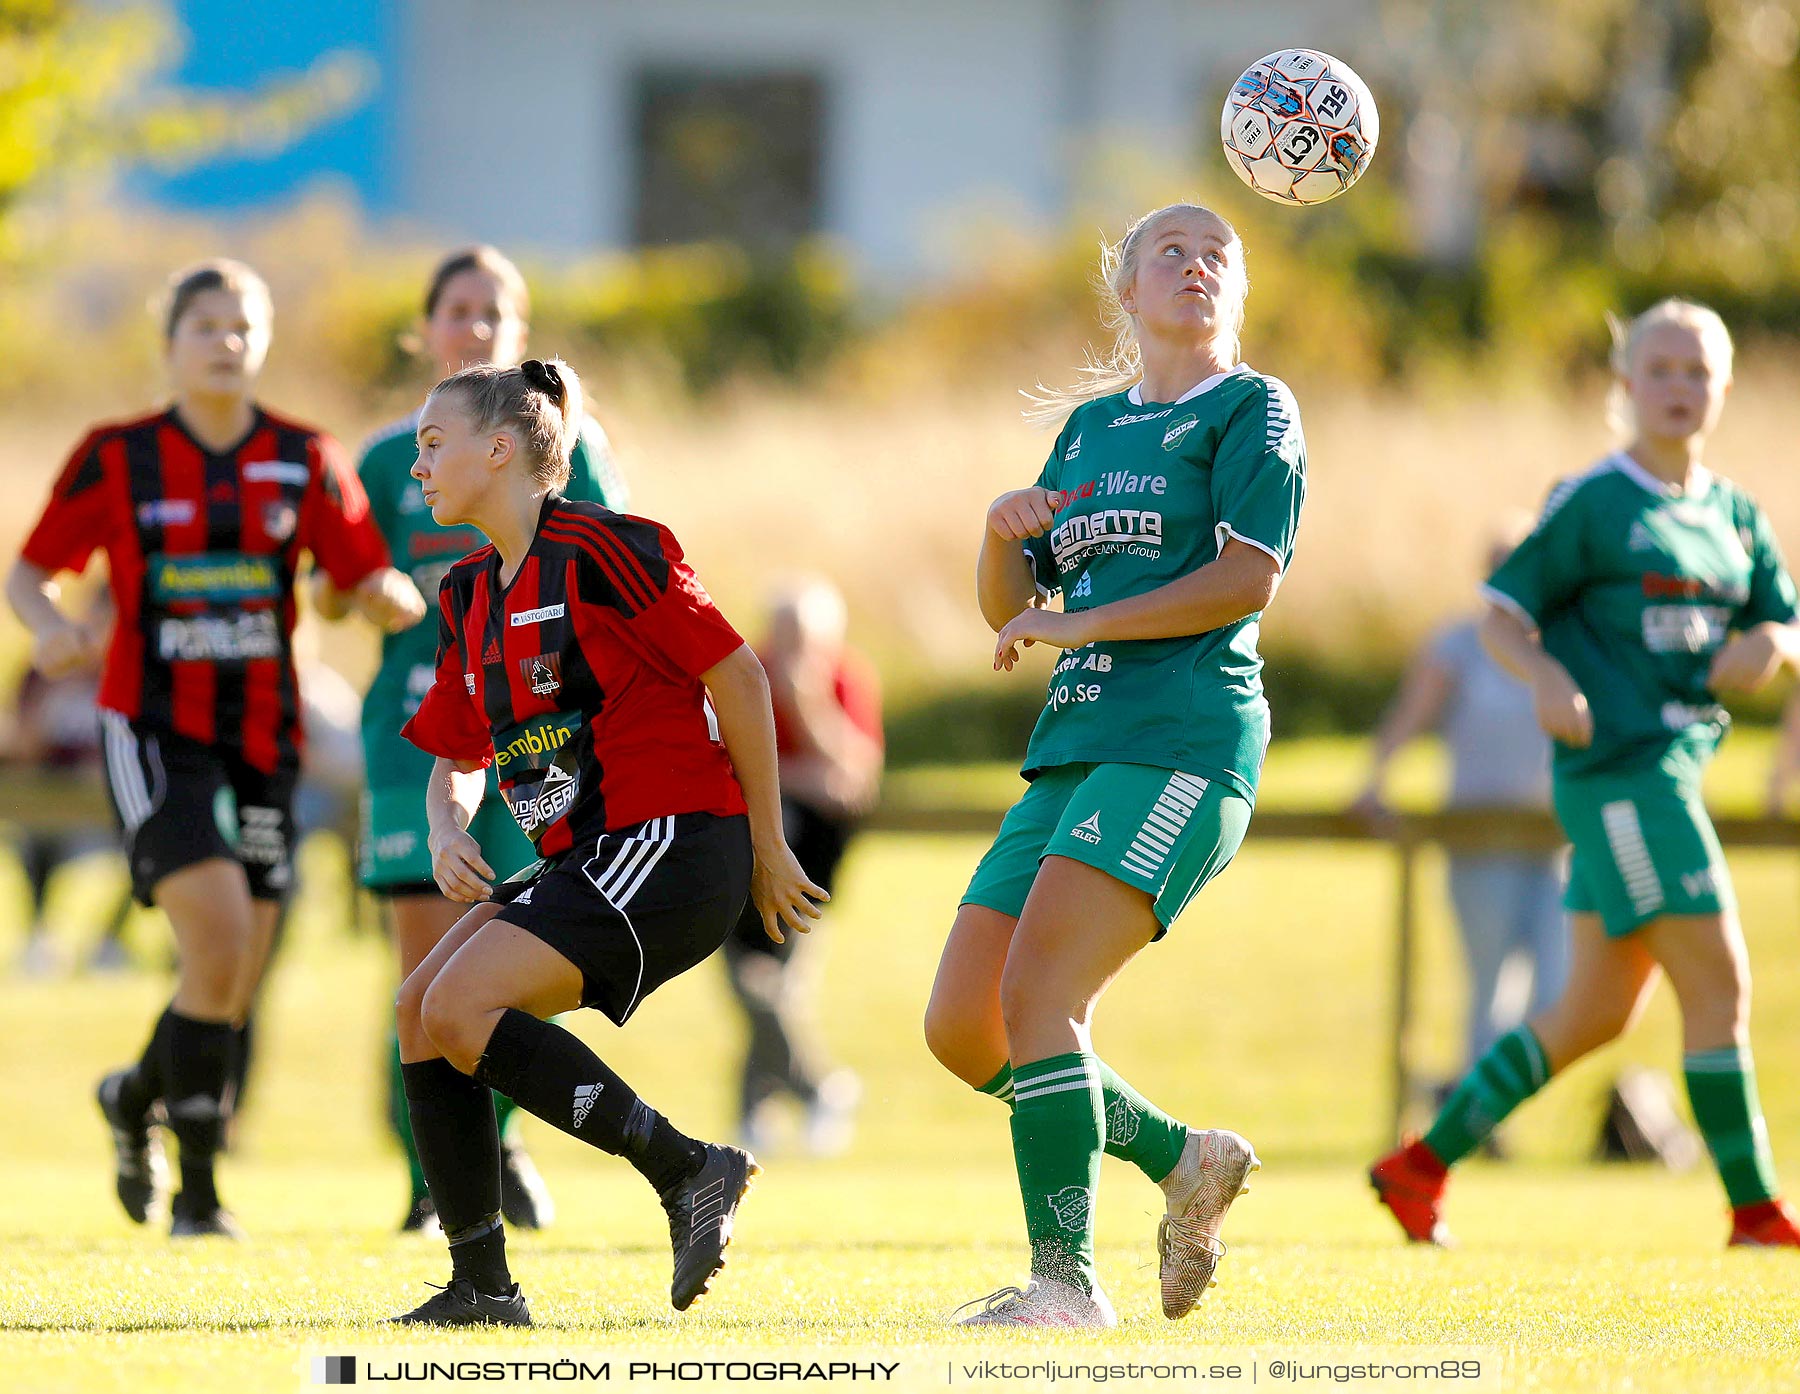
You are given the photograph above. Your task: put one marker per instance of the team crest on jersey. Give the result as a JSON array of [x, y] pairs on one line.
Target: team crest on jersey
[[279, 519], [1121, 1121], [1072, 1206], [1173, 436], [543, 674]]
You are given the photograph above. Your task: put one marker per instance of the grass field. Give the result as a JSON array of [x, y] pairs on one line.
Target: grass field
[[1266, 1011]]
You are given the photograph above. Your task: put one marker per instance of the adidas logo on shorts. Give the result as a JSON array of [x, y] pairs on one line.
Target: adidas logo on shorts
[[586, 1096]]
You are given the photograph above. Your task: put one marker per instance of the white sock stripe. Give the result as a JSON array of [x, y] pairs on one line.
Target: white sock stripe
[[637, 882], [1725, 1060], [1088, 1086], [1066, 1072]]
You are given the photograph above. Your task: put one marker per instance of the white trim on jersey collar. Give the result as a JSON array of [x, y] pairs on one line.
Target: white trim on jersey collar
[[1699, 478], [1136, 395]]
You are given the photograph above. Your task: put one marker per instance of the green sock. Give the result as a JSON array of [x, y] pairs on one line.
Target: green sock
[[1137, 1131], [400, 1117], [1721, 1086], [1513, 1069], [1058, 1128]]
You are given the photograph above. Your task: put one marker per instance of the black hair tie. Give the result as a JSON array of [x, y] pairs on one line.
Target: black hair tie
[[545, 377]]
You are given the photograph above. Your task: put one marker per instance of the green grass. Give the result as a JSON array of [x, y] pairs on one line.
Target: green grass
[[1266, 1010]]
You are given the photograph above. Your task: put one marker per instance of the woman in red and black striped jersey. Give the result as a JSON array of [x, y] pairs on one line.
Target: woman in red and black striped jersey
[[634, 744], [203, 510]]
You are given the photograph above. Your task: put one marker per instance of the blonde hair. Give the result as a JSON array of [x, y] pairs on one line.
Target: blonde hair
[[1123, 364], [216, 273], [539, 401], [1627, 339]]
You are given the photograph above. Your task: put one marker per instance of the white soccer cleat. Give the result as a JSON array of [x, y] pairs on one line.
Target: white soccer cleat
[[1044, 1302], [1214, 1168]]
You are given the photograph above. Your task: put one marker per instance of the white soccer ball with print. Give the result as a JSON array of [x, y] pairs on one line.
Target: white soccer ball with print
[[1299, 126]]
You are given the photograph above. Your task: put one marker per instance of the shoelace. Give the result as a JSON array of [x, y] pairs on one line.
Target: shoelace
[[992, 1302], [1188, 1228]]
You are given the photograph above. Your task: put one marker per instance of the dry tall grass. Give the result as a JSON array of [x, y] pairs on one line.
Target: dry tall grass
[[887, 496]]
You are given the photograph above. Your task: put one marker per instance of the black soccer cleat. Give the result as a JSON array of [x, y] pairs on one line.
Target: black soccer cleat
[[141, 1175], [524, 1198], [701, 1211], [216, 1223], [463, 1304]]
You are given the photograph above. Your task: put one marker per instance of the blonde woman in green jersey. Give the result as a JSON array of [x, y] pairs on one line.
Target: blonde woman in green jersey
[[1650, 589], [476, 311], [1165, 515]]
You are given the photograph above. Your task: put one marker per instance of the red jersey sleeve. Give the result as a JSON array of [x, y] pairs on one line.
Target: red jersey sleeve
[[859, 694], [336, 525], [666, 608], [448, 723], [79, 516]]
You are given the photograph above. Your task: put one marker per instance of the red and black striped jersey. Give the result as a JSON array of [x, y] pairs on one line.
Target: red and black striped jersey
[[580, 680], [203, 547]]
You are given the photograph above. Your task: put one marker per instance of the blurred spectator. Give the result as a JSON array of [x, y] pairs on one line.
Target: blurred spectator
[[55, 734], [828, 734], [1508, 904]]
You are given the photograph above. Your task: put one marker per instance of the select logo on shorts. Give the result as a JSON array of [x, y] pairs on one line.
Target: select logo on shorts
[[1172, 436], [539, 615], [586, 1096], [216, 577], [1088, 829], [543, 673]]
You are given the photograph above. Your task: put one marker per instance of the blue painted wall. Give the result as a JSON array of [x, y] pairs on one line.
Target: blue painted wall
[[239, 45]]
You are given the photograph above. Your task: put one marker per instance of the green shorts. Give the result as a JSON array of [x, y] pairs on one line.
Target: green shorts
[[395, 856], [1643, 847], [1162, 831]]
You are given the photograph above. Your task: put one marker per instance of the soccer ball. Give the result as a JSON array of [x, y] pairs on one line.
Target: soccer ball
[[1299, 126]]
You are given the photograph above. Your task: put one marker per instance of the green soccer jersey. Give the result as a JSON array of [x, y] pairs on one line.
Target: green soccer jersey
[[1150, 492], [425, 551], [1633, 586]]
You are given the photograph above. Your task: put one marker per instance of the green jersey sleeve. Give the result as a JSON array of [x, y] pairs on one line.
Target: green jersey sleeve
[[1259, 472], [1546, 570], [594, 475], [1771, 587]]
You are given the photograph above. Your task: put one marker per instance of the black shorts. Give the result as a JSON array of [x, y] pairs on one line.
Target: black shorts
[[818, 841], [640, 907], [179, 802]]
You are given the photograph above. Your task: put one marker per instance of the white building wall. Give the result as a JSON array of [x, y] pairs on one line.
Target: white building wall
[[515, 118]]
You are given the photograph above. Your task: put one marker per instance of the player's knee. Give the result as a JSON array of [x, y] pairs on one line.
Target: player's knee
[[447, 1020], [947, 1036]]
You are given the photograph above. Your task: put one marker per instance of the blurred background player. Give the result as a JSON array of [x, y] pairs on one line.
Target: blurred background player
[[1166, 516], [1649, 589], [204, 510], [476, 311], [636, 747], [55, 735], [1508, 904], [827, 703]]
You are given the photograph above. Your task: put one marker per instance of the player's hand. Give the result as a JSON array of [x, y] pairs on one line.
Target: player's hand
[[782, 894], [66, 649], [1035, 626], [1562, 708], [389, 600], [1023, 513], [1745, 663], [458, 868]]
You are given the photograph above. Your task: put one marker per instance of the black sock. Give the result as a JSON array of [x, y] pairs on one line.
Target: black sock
[[196, 1076], [457, 1141], [547, 1071], [243, 1043], [478, 1254], [143, 1084]]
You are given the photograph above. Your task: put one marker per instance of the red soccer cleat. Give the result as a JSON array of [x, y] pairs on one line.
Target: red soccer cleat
[[1410, 1182], [1772, 1224]]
